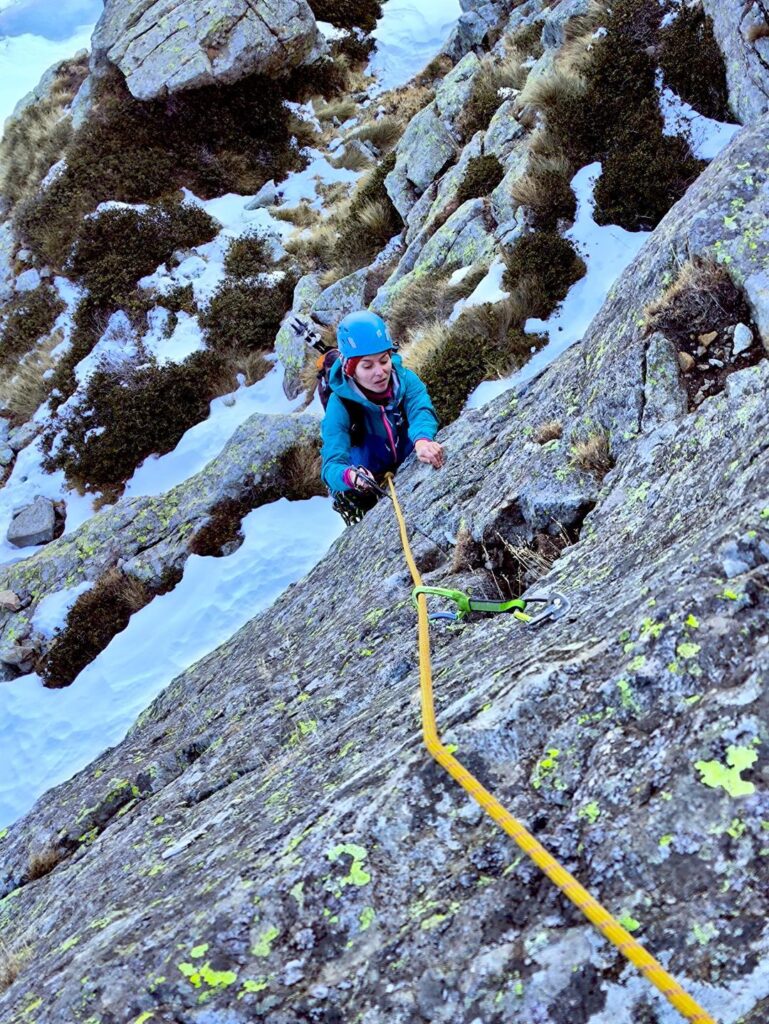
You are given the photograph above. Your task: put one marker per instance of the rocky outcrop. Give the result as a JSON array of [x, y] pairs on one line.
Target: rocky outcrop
[[747, 63], [424, 150], [7, 249], [340, 298], [163, 46], [293, 854], [465, 239], [149, 537], [290, 349]]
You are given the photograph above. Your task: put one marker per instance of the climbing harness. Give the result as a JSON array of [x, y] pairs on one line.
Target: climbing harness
[[556, 605], [609, 927]]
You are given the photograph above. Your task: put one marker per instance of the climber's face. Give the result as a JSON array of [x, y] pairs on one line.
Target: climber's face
[[373, 372]]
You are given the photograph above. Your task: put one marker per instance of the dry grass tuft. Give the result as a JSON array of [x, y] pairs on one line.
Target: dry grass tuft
[[550, 430], [302, 216], [252, 365], [485, 99], [383, 133], [529, 562], [23, 393], [11, 963], [592, 454], [756, 32], [545, 190], [700, 287], [464, 556], [316, 249], [339, 110], [300, 473], [427, 346], [545, 92], [42, 860], [352, 159]]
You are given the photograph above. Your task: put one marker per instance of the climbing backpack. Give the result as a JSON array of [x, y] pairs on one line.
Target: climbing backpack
[[327, 356]]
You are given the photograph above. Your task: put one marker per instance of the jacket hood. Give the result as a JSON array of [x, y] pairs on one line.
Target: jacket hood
[[343, 387]]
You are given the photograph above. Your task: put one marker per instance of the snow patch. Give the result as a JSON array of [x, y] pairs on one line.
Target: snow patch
[[51, 614], [606, 250], [706, 136], [48, 735], [408, 35]]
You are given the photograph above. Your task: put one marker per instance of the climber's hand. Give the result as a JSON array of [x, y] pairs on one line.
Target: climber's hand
[[430, 452]]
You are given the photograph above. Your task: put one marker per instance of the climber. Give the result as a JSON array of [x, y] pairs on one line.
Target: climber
[[377, 413]]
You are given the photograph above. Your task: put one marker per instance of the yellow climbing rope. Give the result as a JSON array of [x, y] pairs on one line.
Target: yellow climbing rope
[[569, 886]]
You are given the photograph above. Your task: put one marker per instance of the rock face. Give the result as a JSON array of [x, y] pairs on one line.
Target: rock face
[[278, 845], [747, 63], [163, 46], [150, 536]]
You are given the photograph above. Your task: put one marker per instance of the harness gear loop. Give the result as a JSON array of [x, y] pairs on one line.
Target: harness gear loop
[[606, 924]]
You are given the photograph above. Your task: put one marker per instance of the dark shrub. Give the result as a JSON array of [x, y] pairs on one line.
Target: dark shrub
[[29, 315], [692, 63], [248, 256], [117, 247], [130, 412], [482, 176], [213, 140], [348, 13], [550, 261], [614, 116], [355, 46], [361, 237], [94, 619], [643, 179], [246, 314], [90, 323]]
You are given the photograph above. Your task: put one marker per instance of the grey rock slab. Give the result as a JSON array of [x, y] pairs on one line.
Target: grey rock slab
[[503, 206], [424, 150], [555, 21], [7, 247], [344, 296], [747, 64], [664, 394], [503, 132], [447, 187], [165, 46], [464, 239], [467, 35], [452, 94], [7, 455], [33, 525], [21, 436]]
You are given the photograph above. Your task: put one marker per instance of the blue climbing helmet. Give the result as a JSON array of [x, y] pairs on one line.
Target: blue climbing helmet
[[362, 334]]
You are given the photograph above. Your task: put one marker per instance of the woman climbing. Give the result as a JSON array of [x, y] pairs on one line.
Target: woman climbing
[[377, 413]]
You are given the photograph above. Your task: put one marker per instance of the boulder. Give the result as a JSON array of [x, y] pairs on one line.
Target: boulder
[[554, 21], [9, 601], [468, 33], [344, 296], [747, 64], [28, 280], [33, 524], [21, 436], [424, 150], [166, 46], [742, 339], [266, 196]]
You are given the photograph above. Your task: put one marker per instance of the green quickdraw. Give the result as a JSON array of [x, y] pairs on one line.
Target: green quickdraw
[[555, 605]]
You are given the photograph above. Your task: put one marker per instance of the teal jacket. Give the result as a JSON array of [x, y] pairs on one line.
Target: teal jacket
[[378, 437]]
